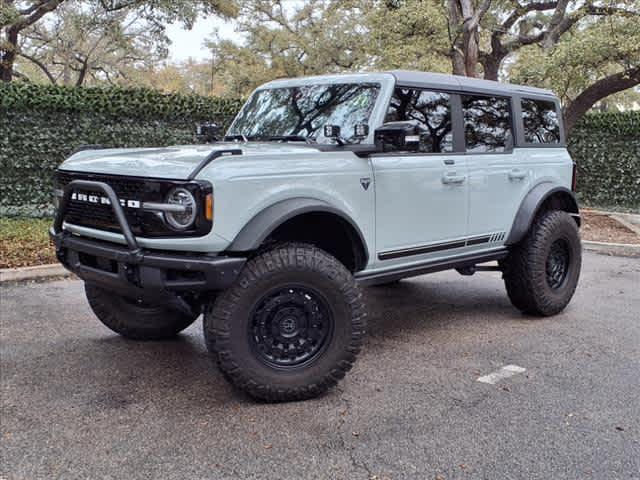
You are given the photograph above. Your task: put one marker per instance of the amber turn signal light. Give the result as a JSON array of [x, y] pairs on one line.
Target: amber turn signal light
[[208, 207]]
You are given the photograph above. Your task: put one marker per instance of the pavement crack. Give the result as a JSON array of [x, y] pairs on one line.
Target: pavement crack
[[357, 465]]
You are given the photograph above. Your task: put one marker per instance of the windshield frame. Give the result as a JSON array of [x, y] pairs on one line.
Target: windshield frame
[[385, 82]]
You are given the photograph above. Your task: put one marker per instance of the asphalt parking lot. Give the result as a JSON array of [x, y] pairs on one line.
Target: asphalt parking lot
[[81, 402]]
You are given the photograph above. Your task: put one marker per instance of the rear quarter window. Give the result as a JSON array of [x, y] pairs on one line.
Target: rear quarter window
[[540, 121]]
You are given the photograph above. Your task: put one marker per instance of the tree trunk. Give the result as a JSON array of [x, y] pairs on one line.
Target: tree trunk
[[470, 36], [8, 55], [491, 66], [597, 91], [457, 47], [491, 61], [457, 62], [83, 72], [471, 52]]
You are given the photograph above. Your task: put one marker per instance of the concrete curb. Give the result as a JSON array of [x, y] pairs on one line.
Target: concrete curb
[[617, 249], [623, 219], [33, 273]]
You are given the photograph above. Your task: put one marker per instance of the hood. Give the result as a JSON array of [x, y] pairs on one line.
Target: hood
[[175, 162]]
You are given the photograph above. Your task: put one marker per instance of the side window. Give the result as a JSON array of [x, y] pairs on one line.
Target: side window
[[540, 120], [431, 111], [487, 123]]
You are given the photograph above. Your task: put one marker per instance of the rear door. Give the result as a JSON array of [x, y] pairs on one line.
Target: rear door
[[498, 178], [422, 190]]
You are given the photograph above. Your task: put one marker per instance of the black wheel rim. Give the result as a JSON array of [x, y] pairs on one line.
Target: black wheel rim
[[290, 327], [558, 264]]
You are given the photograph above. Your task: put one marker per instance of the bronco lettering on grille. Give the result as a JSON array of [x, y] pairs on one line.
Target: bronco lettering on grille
[[98, 199]]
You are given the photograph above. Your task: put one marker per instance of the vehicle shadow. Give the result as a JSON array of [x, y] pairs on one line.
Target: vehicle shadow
[[105, 371], [427, 304]]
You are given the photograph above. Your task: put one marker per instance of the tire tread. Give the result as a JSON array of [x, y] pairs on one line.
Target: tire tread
[[296, 256], [524, 271]]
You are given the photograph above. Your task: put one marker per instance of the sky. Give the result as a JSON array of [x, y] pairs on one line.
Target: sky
[[190, 43]]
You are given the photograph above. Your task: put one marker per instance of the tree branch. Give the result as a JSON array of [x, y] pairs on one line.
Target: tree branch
[[40, 65], [597, 91], [32, 8], [42, 9], [522, 10]]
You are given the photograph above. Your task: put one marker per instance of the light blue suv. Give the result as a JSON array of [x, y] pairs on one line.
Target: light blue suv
[[319, 185]]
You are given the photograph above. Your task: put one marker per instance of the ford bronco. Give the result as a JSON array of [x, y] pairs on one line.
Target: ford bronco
[[321, 185]]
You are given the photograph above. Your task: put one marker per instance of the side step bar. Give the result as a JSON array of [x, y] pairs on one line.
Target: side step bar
[[373, 278]]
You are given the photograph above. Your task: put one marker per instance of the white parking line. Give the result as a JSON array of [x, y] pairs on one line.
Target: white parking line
[[505, 372]]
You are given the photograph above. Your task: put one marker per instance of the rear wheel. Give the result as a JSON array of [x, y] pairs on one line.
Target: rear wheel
[[290, 327], [541, 272], [133, 319]]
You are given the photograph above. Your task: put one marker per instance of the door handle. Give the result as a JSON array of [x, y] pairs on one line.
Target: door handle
[[517, 174], [452, 178]]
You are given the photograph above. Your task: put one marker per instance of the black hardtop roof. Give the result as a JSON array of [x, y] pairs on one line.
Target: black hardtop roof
[[408, 78]]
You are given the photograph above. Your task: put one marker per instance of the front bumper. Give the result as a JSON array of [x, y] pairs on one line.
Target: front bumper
[[136, 272], [144, 273]]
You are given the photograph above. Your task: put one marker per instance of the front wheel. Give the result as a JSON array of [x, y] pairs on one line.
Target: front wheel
[[133, 319], [541, 272], [290, 327]]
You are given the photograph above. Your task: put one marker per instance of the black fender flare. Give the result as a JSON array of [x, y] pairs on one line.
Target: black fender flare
[[531, 205], [264, 223]]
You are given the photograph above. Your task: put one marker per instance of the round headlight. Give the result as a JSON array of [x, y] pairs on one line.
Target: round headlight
[[181, 220]]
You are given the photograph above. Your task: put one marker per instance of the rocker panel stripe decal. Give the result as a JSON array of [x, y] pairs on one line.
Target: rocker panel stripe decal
[[420, 250], [406, 252]]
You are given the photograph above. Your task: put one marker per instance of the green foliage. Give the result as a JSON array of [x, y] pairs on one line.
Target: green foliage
[[409, 35], [42, 125], [606, 149], [83, 44], [599, 49], [291, 40]]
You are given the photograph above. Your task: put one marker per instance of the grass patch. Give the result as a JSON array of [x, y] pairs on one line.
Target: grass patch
[[25, 242]]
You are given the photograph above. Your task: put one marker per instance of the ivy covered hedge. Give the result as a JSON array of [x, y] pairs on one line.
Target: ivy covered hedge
[[40, 125], [606, 148]]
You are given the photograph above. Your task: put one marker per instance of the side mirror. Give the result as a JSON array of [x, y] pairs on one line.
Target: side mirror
[[207, 132], [398, 137]]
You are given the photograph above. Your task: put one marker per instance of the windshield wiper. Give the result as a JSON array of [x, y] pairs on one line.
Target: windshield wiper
[[235, 137], [291, 138]]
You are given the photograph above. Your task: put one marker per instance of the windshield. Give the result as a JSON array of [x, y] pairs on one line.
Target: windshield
[[303, 111]]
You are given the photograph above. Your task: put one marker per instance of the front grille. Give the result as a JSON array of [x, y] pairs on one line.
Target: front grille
[[142, 223]]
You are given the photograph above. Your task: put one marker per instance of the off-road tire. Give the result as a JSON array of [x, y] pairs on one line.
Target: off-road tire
[[526, 267], [137, 322], [229, 328]]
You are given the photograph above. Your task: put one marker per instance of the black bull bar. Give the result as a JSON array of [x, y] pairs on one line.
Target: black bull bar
[[150, 275]]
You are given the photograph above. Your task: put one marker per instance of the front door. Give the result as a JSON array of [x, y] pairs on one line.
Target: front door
[[421, 195]]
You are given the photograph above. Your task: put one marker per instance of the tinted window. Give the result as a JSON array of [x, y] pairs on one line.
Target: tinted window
[[540, 119], [487, 124], [431, 111]]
